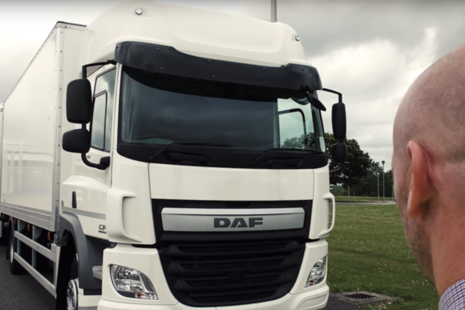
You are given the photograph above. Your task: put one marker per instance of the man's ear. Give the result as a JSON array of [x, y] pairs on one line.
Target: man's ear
[[420, 187]]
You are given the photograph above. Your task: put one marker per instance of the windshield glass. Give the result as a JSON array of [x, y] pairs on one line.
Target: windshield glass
[[158, 110]]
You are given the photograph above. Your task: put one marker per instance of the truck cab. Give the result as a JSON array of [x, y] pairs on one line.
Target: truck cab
[[194, 171]]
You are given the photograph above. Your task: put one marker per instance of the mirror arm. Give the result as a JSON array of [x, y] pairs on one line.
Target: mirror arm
[[100, 166], [334, 92], [341, 165], [338, 169], [104, 162], [84, 68]]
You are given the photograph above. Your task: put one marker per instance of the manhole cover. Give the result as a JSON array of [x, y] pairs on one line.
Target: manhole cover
[[362, 298], [359, 296]]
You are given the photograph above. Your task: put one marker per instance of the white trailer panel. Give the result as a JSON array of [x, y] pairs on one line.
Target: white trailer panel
[[32, 132]]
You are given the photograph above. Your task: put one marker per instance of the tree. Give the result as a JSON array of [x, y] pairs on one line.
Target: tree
[[368, 185], [299, 142], [388, 184], [293, 143], [357, 164]]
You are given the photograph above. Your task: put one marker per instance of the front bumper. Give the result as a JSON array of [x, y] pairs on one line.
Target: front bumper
[[316, 299], [148, 262]]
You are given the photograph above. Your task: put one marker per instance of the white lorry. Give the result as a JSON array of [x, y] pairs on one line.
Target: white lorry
[[170, 158]]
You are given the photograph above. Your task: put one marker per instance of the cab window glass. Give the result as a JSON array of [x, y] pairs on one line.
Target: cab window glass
[[103, 103], [98, 122]]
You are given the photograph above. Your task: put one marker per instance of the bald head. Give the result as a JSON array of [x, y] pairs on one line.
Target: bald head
[[429, 168], [433, 110]]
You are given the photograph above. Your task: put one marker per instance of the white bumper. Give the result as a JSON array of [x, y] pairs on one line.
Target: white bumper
[[316, 299], [148, 262]]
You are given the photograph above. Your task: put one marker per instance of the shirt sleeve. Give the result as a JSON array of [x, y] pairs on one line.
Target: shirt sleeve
[[454, 297]]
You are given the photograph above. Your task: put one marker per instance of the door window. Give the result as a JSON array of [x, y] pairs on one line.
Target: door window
[[103, 111]]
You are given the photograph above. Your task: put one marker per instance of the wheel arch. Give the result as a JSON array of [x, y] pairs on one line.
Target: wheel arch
[[70, 227]]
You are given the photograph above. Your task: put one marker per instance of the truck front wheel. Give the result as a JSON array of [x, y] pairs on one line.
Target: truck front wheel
[[72, 292], [68, 274]]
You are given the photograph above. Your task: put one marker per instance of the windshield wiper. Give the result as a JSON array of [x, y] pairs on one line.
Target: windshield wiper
[[315, 102], [256, 160], [162, 150], [206, 144]]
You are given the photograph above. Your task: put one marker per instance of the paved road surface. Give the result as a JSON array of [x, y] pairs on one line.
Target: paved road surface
[[23, 292]]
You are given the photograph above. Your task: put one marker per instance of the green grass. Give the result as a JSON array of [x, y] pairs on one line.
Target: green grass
[[368, 251], [361, 199]]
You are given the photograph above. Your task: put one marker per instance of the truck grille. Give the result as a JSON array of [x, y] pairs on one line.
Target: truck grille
[[231, 273]]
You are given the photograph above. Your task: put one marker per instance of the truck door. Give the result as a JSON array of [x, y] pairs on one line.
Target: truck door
[[101, 125], [89, 186]]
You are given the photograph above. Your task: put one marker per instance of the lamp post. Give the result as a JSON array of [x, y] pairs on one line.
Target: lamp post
[[274, 11], [383, 180], [377, 182]]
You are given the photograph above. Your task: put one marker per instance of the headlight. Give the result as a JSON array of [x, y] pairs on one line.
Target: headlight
[[318, 272], [132, 283]]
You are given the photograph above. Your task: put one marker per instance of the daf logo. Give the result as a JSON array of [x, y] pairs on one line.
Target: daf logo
[[102, 229], [237, 222]]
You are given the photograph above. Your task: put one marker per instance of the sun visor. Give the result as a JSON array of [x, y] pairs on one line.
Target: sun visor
[[163, 59]]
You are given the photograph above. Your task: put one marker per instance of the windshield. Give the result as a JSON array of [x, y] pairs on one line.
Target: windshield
[[157, 110]]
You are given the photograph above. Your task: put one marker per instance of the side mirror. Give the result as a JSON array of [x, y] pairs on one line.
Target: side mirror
[[339, 152], [79, 102], [76, 141], [339, 121]]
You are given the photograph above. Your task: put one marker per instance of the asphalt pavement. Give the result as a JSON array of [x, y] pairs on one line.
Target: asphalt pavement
[[23, 292]]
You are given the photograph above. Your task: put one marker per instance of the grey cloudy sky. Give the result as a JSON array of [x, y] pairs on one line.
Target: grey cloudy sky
[[369, 50]]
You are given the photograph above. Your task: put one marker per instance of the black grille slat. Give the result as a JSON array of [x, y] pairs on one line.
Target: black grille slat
[[223, 283], [226, 287], [232, 248], [226, 282], [237, 265], [234, 273], [232, 251], [233, 299]]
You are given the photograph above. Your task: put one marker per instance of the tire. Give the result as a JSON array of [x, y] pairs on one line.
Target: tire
[[68, 283], [72, 292], [15, 267], [4, 238]]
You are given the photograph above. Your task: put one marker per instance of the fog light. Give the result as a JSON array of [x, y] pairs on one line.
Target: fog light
[[132, 283], [317, 274]]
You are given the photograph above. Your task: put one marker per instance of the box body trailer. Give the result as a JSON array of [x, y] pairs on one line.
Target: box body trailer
[[170, 158]]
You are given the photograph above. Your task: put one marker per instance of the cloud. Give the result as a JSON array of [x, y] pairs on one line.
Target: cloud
[[373, 77], [331, 25], [21, 37]]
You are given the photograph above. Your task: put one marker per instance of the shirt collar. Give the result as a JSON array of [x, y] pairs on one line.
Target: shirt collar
[[454, 297]]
